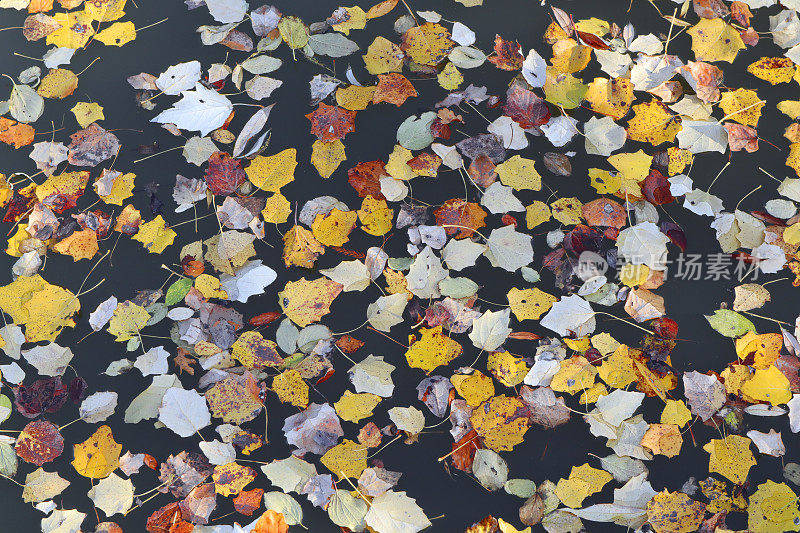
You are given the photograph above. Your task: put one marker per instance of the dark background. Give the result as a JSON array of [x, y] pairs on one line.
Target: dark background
[[544, 454]]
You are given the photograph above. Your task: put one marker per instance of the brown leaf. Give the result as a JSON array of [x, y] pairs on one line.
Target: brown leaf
[[457, 212], [39, 442], [330, 122], [224, 173], [365, 178], [508, 54], [393, 88], [525, 107], [248, 501]]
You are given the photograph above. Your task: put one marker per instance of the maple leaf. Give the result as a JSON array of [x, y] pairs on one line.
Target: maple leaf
[[508, 54], [224, 174], [330, 123]]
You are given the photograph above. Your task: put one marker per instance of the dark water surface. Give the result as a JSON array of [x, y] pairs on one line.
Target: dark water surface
[[544, 454]]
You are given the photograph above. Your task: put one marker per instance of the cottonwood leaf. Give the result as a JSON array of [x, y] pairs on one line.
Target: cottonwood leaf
[[183, 411], [394, 512], [200, 110]]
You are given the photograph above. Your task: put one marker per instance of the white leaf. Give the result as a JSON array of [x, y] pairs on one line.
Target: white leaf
[[699, 136], [509, 249], [768, 443], [256, 123], [180, 77], [353, 275], [200, 110], [226, 11], [560, 130], [462, 253], [534, 69], [153, 362], [49, 359], [408, 419], [570, 314], [643, 244], [394, 512], [373, 375], [490, 330], [250, 280], [425, 274], [463, 35], [63, 521], [512, 133], [184, 411], [100, 316], [603, 136], [98, 407], [112, 495], [218, 453], [387, 311], [500, 199]]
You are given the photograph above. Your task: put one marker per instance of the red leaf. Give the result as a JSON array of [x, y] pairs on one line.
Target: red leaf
[[330, 122], [508, 54], [224, 174], [525, 108], [40, 442]]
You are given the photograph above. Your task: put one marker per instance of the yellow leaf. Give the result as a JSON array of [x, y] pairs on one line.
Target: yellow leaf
[[427, 44], [347, 459], [570, 57], [383, 56], [775, 70], [450, 78], [574, 375], [375, 216], [764, 348], [773, 509], [334, 228], [354, 98], [632, 275], [63, 189], [536, 213], [475, 388], [432, 350], [635, 166], [128, 319], [290, 388], [519, 174], [300, 248], [105, 10], [327, 156], [617, 369], [306, 302], [715, 40], [742, 105], [209, 286], [121, 190], [612, 97], [730, 457], [676, 412], [277, 209], [80, 245], [353, 407], [529, 304], [674, 512], [583, 481], [58, 84], [354, 19], [254, 351], [653, 123], [562, 89], [508, 369], [505, 527], [791, 108], [86, 113], [591, 395], [155, 235], [235, 398], [118, 34], [603, 181], [98, 455], [567, 211], [397, 167], [43, 308], [679, 159], [501, 422], [270, 173], [232, 478], [663, 439], [767, 385], [75, 31], [735, 377]]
